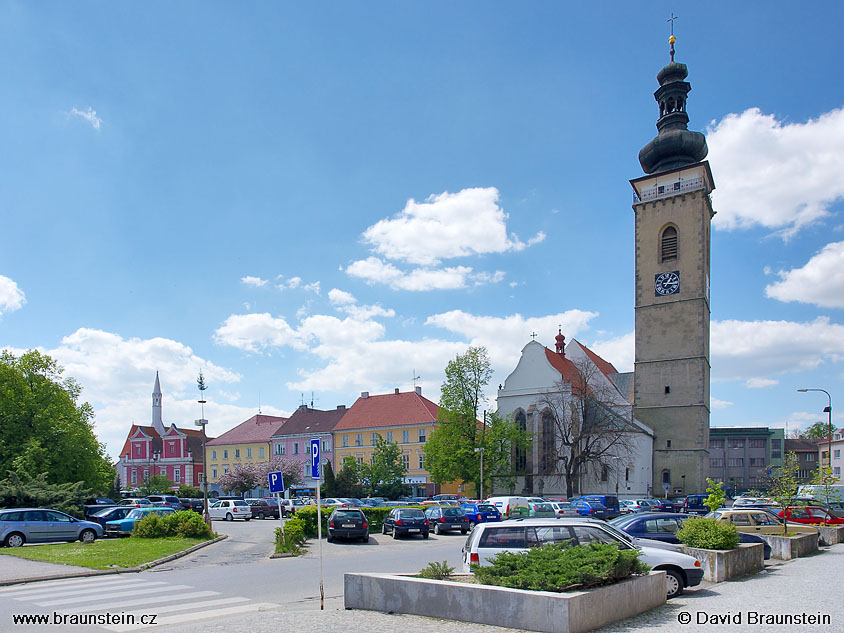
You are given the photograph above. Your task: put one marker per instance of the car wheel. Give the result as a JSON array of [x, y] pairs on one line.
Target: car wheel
[[229, 516], [329, 538], [383, 529], [247, 518], [437, 529], [424, 535], [88, 536], [364, 539], [15, 540], [673, 583], [471, 525], [260, 515], [395, 533], [464, 531]]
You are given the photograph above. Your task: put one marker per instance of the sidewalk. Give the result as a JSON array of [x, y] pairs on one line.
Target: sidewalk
[[13, 568]]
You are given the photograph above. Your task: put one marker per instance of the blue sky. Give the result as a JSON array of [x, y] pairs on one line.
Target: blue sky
[[325, 198]]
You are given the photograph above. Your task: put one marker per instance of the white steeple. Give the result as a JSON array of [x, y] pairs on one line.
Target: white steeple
[[157, 422]]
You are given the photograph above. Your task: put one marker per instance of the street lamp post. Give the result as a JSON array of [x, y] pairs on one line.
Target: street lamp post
[[201, 422], [481, 489], [827, 410]]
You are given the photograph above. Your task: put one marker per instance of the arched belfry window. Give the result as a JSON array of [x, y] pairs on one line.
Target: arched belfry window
[[668, 245]]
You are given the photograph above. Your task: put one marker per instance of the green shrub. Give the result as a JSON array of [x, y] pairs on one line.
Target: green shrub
[[291, 538], [708, 533], [556, 567], [184, 524], [308, 517], [437, 571]]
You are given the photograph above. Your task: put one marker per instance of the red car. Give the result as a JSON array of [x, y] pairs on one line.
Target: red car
[[811, 515]]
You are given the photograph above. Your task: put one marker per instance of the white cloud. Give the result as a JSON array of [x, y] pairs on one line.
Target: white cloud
[[90, 115], [339, 297], [715, 403], [11, 296], [777, 175], [744, 350], [346, 302], [444, 226], [761, 383], [621, 351], [820, 281], [294, 282], [375, 270], [117, 375], [312, 287], [255, 332], [256, 282]]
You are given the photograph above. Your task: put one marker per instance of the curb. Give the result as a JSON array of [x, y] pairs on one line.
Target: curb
[[106, 572]]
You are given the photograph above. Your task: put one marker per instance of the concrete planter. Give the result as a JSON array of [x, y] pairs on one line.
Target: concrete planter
[[788, 547], [831, 534], [570, 612], [722, 565]]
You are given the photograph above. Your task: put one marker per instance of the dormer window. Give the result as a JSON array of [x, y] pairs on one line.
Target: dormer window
[[668, 245]]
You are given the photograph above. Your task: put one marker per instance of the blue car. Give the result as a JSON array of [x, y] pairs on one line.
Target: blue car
[[110, 514], [591, 509], [662, 526], [480, 513], [124, 527], [610, 502]]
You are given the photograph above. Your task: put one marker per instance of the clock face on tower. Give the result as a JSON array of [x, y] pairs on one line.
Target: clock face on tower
[[667, 283]]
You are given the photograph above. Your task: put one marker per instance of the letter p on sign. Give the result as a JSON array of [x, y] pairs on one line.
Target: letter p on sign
[[315, 458]]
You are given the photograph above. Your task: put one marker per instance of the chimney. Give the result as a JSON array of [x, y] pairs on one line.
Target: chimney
[[419, 390], [341, 407], [364, 394], [397, 391]]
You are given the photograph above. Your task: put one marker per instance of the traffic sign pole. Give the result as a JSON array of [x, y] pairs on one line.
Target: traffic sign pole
[[315, 474]]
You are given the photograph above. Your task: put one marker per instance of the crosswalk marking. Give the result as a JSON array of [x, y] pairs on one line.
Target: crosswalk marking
[[117, 594], [141, 595], [192, 617], [126, 584]]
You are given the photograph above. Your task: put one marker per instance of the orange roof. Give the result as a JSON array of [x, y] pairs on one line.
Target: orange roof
[[562, 364], [605, 367], [393, 409]]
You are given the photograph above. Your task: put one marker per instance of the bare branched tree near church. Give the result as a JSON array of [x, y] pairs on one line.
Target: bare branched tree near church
[[584, 429]]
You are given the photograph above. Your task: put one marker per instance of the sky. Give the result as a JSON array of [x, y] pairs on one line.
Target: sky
[[310, 200]]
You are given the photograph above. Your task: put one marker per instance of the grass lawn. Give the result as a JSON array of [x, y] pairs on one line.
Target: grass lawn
[[104, 553]]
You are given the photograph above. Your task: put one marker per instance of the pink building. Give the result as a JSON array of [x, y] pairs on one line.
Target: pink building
[[155, 450]]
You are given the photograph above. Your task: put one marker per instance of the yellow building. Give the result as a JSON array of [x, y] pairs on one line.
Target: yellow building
[[407, 419], [247, 443]]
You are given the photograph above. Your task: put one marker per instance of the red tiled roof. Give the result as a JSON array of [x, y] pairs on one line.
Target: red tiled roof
[[567, 369], [392, 409], [258, 428], [605, 367], [305, 420]]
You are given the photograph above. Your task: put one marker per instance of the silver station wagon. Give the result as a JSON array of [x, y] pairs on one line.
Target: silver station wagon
[[39, 525]]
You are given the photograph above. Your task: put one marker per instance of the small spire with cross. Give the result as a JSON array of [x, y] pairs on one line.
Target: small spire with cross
[[672, 39], [534, 335]]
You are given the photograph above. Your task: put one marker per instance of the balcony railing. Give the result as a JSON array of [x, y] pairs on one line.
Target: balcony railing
[[663, 191]]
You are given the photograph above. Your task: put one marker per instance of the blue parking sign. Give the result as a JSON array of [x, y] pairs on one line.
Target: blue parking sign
[[315, 458], [276, 482]]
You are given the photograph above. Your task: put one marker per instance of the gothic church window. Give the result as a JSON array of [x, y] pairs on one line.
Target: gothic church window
[[521, 453], [547, 434], [668, 245]]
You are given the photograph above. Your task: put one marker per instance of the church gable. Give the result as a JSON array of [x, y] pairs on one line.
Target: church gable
[[533, 372]]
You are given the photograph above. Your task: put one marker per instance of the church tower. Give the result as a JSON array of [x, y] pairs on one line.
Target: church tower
[[673, 213], [157, 422]]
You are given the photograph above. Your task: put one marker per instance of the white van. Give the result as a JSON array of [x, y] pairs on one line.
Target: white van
[[489, 539], [505, 505]]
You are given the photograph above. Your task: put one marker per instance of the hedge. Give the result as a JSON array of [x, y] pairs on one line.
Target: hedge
[[555, 567], [708, 533], [289, 540], [374, 516], [184, 524]]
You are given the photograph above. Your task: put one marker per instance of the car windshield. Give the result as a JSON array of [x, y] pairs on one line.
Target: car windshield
[[348, 514], [543, 507], [486, 509], [137, 513], [452, 512], [102, 513], [622, 536], [240, 503], [411, 514]]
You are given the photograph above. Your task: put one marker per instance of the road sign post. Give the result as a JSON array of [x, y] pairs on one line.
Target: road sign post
[[276, 482], [316, 475]]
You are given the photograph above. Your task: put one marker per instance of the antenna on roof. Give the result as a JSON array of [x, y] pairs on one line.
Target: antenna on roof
[[259, 402], [415, 378]]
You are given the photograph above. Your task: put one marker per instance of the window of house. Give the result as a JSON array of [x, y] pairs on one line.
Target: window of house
[[359, 439], [668, 245], [546, 459], [667, 443], [421, 461], [226, 454], [146, 474], [214, 473], [666, 476], [520, 454], [261, 451], [813, 457], [372, 459], [177, 476], [276, 449], [345, 440], [295, 448], [776, 449], [213, 454], [836, 453], [756, 443], [134, 476], [836, 471], [324, 446], [757, 462], [360, 459], [421, 436], [374, 439], [283, 449], [736, 443], [735, 462], [389, 437], [248, 453], [225, 468], [405, 459], [237, 453], [719, 443], [405, 437], [716, 462], [738, 481]]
